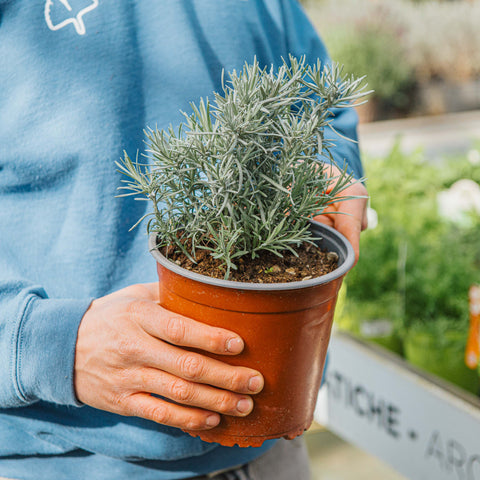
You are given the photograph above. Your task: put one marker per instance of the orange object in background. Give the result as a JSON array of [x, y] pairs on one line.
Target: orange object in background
[[472, 352]]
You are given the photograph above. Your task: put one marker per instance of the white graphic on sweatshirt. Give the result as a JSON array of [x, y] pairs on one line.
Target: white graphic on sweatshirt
[[75, 19]]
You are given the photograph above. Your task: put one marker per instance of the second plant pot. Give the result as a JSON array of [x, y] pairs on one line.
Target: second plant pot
[[286, 329]]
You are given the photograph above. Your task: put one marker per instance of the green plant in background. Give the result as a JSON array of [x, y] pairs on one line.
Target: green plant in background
[[376, 288], [376, 51], [402, 193], [422, 263], [367, 36], [242, 174], [439, 348], [416, 266], [376, 320], [439, 274], [403, 46], [445, 53]]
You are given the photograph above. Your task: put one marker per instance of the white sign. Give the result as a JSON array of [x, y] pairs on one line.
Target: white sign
[[376, 402]]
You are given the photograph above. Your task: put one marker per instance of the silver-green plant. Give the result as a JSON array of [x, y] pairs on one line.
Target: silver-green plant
[[246, 172]]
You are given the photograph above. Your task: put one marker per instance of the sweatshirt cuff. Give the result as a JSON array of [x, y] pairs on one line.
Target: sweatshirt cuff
[[46, 350]]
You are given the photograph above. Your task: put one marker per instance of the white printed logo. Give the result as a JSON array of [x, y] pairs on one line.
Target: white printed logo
[[59, 13]]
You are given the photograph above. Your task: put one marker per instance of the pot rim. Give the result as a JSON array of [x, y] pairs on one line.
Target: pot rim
[[329, 233]]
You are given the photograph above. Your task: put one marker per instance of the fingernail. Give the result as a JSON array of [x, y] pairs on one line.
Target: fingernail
[[235, 345], [255, 384], [245, 405], [212, 421]]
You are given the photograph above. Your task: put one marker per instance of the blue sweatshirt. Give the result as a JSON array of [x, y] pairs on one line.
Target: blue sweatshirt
[[79, 81]]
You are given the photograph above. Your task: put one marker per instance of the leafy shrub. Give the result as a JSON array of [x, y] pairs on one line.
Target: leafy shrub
[[442, 40], [401, 44], [420, 263], [242, 174], [376, 52], [367, 37]]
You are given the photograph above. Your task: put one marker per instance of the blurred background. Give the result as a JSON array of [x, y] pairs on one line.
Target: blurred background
[[421, 57], [420, 140]]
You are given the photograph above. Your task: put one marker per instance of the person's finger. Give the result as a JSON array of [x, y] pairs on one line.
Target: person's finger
[[348, 216], [190, 393], [183, 331], [350, 227], [160, 411], [141, 291], [194, 367], [325, 217]]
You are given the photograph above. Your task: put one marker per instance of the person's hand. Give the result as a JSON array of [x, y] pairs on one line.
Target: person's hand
[[129, 352], [349, 217]]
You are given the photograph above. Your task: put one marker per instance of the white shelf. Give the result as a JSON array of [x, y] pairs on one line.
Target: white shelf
[[425, 428]]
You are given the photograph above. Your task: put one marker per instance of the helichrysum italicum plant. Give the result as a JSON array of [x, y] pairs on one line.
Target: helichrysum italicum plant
[[244, 173]]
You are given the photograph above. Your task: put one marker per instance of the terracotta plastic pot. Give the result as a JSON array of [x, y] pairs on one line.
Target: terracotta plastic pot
[[286, 329]]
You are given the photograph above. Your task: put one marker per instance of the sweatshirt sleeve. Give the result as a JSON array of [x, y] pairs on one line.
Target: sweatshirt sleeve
[[302, 39], [37, 345]]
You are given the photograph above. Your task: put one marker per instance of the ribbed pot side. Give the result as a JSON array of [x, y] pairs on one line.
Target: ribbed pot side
[[286, 329]]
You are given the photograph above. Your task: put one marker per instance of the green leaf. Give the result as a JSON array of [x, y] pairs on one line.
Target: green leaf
[[241, 173]]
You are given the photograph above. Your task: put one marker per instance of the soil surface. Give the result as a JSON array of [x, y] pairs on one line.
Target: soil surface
[[311, 262]]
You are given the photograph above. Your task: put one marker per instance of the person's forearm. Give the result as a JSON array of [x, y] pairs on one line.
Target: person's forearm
[[35, 332]]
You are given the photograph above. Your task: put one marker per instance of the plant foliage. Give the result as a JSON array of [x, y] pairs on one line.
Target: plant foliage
[[244, 173], [403, 45], [415, 261]]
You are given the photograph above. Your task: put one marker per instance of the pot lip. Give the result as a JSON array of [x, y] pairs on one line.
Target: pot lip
[[327, 231]]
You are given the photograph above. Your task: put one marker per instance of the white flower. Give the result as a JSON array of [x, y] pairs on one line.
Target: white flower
[[462, 198], [372, 217], [473, 156]]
